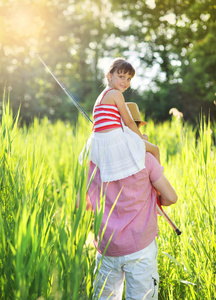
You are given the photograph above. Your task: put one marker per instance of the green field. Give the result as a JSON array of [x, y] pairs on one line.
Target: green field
[[45, 238]]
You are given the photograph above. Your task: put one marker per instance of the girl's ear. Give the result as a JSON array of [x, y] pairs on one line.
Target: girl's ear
[[109, 76]]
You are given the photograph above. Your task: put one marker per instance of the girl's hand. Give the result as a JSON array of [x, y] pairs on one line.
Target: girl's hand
[[145, 137]]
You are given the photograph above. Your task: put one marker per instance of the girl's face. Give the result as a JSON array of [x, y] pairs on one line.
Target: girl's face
[[119, 81]]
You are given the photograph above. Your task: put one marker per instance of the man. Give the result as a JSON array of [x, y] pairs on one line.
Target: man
[[130, 222]]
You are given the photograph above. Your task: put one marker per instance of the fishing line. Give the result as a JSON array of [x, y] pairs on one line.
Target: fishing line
[[73, 100]]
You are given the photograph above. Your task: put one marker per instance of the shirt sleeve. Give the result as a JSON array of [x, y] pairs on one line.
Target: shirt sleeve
[[153, 166]]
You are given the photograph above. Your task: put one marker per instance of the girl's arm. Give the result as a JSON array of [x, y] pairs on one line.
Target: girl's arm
[[129, 122], [153, 149]]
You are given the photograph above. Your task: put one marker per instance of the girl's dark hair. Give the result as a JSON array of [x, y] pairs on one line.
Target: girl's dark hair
[[121, 65]]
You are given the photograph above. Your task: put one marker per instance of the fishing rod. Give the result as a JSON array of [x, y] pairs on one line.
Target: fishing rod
[[167, 218], [81, 110]]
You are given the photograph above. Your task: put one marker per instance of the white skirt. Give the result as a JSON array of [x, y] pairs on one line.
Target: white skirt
[[118, 153]]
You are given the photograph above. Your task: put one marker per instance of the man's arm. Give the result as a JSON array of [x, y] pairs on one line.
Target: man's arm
[[167, 192]]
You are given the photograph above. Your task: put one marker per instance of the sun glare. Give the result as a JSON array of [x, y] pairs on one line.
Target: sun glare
[[21, 21]]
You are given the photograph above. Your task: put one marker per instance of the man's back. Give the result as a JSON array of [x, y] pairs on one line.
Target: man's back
[[133, 221]]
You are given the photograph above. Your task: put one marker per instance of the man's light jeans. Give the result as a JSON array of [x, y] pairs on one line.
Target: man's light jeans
[[139, 270]]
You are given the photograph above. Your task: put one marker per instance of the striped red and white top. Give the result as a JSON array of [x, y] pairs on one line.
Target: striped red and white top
[[106, 116]]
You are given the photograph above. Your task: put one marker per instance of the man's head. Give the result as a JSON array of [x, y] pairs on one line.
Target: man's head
[[135, 113]]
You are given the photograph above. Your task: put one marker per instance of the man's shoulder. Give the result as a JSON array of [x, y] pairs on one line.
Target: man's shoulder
[[153, 166], [151, 162]]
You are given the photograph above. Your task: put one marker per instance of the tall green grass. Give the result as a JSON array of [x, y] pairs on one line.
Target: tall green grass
[[186, 263], [46, 249], [43, 232]]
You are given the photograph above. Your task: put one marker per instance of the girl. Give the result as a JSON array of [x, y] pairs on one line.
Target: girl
[[116, 145]]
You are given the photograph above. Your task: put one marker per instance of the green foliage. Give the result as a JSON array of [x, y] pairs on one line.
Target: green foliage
[[186, 262], [177, 39], [68, 37], [46, 233], [43, 232]]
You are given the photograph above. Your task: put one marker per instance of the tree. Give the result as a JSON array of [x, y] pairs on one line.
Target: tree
[[175, 39], [70, 40], [179, 37]]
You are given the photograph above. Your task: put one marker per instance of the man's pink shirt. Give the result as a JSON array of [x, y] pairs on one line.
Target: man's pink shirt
[[133, 221]]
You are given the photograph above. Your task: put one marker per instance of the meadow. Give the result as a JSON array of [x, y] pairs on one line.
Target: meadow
[[46, 249]]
